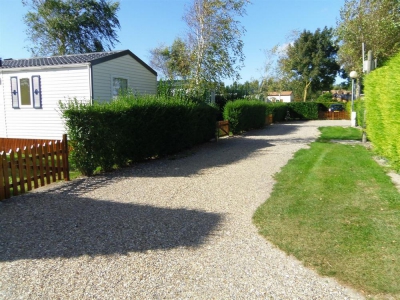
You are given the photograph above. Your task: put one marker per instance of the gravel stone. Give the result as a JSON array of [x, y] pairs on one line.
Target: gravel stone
[[173, 228]]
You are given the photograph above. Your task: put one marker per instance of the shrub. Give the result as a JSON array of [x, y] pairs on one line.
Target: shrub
[[279, 110], [326, 97], [304, 110], [133, 128], [244, 115], [382, 102], [297, 110]]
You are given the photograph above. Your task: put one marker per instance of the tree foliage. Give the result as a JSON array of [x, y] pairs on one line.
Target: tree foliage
[[59, 27], [173, 62], [211, 51], [214, 39], [373, 22], [311, 60]]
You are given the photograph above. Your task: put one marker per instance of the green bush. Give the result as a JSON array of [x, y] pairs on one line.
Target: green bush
[[278, 109], [133, 128], [297, 110], [303, 110], [244, 115], [326, 97], [382, 102], [248, 114]]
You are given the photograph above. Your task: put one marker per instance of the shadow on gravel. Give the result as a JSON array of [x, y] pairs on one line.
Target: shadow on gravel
[[46, 225], [226, 151]]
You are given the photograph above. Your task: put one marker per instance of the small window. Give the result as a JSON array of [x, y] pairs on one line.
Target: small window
[[25, 91], [119, 85]]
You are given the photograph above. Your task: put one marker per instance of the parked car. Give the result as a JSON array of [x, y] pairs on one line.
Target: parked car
[[336, 107]]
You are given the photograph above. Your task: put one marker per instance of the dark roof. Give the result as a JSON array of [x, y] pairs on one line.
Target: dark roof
[[92, 58]]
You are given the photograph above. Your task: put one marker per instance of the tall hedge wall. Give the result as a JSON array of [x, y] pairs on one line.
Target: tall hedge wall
[[297, 110], [244, 115], [248, 114], [134, 128], [382, 101]]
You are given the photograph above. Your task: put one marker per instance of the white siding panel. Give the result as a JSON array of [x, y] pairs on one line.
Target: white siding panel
[[3, 86], [140, 79], [45, 123]]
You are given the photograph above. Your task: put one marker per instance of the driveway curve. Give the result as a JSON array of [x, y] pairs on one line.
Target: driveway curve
[[173, 228]]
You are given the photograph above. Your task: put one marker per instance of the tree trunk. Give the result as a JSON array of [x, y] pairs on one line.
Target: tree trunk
[[305, 91]]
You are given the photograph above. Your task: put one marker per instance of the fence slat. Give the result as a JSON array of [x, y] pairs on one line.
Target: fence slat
[[28, 169], [34, 166], [3, 178], [41, 167], [57, 151], [46, 162], [6, 176], [65, 158], [13, 168], [53, 165], [21, 171]]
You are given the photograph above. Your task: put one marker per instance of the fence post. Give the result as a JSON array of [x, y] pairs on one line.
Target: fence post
[[65, 158]]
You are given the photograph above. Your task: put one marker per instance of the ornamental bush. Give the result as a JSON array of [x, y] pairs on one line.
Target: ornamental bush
[[245, 115], [134, 128], [382, 102], [297, 110]]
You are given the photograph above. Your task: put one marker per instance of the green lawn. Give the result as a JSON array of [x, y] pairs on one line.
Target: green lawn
[[334, 208], [339, 133]]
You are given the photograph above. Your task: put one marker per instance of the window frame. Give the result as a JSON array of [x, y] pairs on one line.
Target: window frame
[[35, 92], [112, 84]]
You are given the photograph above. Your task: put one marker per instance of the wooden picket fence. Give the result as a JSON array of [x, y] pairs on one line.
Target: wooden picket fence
[[335, 115], [34, 166]]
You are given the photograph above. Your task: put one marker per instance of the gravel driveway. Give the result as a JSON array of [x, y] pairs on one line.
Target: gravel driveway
[[173, 228]]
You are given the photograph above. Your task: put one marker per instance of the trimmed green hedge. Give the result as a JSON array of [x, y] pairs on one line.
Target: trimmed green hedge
[[382, 102], [297, 110], [244, 115], [249, 114], [133, 129]]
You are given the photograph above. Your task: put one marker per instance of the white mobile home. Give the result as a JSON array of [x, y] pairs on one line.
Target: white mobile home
[[30, 89], [284, 96]]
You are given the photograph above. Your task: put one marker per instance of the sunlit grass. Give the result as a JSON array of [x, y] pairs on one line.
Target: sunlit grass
[[340, 133], [334, 208]]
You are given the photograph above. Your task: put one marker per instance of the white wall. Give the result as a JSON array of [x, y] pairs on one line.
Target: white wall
[[2, 113], [46, 122], [140, 79], [282, 98]]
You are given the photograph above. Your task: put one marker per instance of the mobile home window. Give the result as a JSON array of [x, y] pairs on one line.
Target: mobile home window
[[119, 85], [25, 91]]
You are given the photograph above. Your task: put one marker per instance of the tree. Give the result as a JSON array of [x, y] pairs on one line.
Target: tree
[[311, 60], [274, 79], [59, 27], [373, 22], [214, 40], [173, 62]]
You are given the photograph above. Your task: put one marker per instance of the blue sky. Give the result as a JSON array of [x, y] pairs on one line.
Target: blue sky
[[147, 23]]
